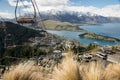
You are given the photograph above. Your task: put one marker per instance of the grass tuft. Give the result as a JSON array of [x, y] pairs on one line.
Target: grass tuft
[[92, 71], [112, 72], [67, 70], [24, 72]]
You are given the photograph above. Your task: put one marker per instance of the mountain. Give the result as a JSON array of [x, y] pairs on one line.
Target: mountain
[[77, 17], [7, 20], [73, 17]]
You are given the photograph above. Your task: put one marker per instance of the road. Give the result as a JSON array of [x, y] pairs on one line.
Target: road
[[113, 58]]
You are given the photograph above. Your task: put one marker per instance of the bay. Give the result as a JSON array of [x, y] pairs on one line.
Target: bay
[[108, 29]]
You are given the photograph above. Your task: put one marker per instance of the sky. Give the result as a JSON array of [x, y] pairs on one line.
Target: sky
[[108, 8]]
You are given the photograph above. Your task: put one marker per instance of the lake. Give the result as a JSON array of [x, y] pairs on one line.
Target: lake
[[108, 29]]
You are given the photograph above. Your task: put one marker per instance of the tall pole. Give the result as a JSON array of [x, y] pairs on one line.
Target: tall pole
[[41, 22], [16, 9], [34, 11]]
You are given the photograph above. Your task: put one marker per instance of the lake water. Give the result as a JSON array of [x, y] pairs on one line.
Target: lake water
[[108, 29]]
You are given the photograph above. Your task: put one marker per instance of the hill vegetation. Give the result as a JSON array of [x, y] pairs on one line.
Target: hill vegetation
[[20, 34], [12, 55], [58, 25]]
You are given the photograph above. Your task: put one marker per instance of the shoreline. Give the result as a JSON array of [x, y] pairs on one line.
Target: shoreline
[[81, 39]]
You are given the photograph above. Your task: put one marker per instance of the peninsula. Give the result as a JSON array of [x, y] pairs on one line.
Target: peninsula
[[98, 37], [57, 25]]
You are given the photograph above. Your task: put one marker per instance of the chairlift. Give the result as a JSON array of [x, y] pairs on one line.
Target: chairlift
[[25, 19]]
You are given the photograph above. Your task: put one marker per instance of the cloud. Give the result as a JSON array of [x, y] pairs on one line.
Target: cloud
[[6, 15], [41, 2], [13, 3], [108, 11], [53, 3], [66, 5], [111, 10]]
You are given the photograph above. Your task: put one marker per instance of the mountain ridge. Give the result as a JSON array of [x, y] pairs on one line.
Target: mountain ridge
[[73, 17], [77, 17]]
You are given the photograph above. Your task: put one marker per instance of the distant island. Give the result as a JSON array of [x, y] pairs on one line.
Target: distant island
[[98, 37]]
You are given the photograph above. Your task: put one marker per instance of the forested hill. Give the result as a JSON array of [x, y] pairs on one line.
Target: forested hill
[[20, 34]]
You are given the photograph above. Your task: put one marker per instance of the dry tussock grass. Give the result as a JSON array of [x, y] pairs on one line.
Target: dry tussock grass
[[92, 71], [24, 72], [112, 72], [68, 69]]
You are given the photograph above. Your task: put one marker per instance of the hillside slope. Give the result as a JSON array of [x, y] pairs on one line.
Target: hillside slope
[[20, 34]]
